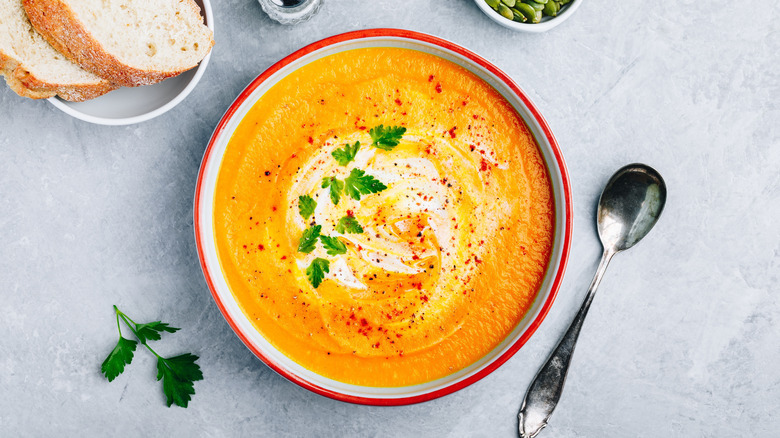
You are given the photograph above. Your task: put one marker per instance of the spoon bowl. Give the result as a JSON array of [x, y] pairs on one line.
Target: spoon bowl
[[630, 205]]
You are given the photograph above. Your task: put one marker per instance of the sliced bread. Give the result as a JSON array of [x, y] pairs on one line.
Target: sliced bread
[[128, 42], [32, 68]]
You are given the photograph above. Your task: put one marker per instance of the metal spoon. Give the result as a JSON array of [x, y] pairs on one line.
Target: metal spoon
[[628, 208]]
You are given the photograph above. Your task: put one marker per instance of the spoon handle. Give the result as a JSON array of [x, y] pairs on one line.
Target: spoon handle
[[545, 390]]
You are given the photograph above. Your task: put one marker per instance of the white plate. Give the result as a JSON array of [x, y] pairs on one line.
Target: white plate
[[127, 106]]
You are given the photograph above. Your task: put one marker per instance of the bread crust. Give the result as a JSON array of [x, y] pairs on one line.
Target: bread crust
[[58, 25], [25, 84]]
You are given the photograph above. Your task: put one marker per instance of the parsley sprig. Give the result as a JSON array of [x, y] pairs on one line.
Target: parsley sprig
[[336, 186], [308, 240], [346, 154], [178, 373], [306, 206], [358, 183], [386, 138], [333, 246], [348, 224], [316, 271]]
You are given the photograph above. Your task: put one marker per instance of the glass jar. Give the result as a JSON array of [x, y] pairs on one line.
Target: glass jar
[[290, 11]]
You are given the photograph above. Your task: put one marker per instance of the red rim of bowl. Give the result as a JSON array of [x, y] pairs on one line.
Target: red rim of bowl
[[407, 34]]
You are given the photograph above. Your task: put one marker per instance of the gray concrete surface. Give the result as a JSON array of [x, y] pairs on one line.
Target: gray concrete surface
[[683, 336]]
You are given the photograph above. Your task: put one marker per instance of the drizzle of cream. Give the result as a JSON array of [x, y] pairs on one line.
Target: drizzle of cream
[[413, 188]]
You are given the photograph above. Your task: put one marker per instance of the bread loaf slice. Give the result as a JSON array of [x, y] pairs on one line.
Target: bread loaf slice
[[128, 42], [32, 68]]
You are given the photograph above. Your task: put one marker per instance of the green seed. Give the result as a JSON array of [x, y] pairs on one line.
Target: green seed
[[520, 18], [492, 3], [536, 6], [509, 3], [536, 1], [505, 11], [526, 10], [550, 9], [537, 17]]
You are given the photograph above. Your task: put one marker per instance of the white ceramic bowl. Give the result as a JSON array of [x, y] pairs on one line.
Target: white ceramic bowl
[[546, 24], [129, 105], [204, 214]]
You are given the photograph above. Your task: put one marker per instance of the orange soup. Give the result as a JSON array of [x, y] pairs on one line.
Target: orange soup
[[383, 217]]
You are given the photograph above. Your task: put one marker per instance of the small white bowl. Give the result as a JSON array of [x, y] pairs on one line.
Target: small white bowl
[[127, 106], [546, 24]]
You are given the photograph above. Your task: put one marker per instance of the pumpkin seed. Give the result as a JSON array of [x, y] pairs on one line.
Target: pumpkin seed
[[528, 12], [536, 6], [520, 18], [551, 9], [505, 11]]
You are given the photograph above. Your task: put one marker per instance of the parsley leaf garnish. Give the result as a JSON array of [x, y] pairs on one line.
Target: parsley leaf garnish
[[386, 138], [309, 239], [120, 356], [151, 330], [358, 183], [306, 206], [177, 373], [316, 271], [348, 224], [346, 154], [178, 376], [333, 245], [336, 186]]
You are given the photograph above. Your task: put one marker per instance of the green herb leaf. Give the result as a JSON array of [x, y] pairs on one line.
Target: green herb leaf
[[178, 375], [151, 331], [348, 224], [316, 271], [309, 239], [336, 186], [120, 356], [346, 154], [306, 206], [358, 183], [386, 138], [333, 245]]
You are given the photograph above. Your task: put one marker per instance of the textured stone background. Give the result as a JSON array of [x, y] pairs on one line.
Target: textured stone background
[[683, 339]]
